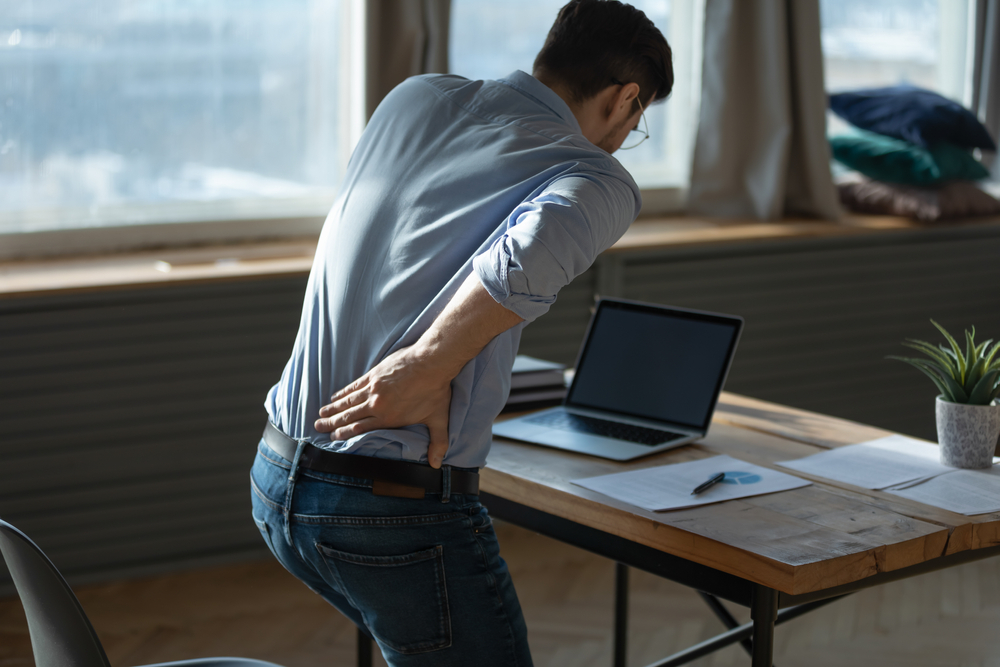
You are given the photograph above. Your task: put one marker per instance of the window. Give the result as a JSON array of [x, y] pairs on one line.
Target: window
[[125, 112], [238, 115], [491, 39], [874, 43]]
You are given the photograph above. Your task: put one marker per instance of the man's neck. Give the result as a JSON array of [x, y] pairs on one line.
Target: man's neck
[[590, 114], [559, 89]]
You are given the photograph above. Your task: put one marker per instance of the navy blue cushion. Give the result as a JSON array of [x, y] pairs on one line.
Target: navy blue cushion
[[912, 114]]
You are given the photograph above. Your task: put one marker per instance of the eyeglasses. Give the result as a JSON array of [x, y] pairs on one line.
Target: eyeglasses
[[635, 135]]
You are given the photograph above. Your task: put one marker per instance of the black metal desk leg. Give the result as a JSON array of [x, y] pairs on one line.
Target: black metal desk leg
[[727, 619], [364, 649], [621, 614], [763, 612]]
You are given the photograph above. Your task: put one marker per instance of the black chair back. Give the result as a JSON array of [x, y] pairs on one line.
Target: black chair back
[[61, 633]]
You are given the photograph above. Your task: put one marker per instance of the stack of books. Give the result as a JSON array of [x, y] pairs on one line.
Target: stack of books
[[535, 383]]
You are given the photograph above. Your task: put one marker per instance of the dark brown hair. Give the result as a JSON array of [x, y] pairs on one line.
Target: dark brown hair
[[596, 43]]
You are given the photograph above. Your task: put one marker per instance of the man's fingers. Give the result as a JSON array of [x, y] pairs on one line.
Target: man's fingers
[[342, 430], [356, 428], [346, 401], [350, 389], [335, 420], [438, 447], [323, 425]]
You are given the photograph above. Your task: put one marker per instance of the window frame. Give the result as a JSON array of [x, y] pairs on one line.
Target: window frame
[[686, 38]]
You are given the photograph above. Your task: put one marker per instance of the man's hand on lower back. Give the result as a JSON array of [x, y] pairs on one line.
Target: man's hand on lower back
[[403, 389], [413, 385]]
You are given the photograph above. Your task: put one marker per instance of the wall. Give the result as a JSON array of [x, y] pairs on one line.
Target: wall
[[129, 420]]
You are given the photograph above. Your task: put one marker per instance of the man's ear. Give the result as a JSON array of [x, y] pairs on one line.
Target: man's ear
[[620, 104]]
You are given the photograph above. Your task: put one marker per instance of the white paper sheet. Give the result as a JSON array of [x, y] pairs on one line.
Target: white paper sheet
[[877, 464], [669, 487], [962, 491]]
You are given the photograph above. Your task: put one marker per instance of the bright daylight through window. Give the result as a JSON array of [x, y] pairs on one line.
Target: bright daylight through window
[[875, 43], [125, 111], [491, 39]]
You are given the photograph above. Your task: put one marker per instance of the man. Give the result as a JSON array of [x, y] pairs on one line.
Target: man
[[466, 206]]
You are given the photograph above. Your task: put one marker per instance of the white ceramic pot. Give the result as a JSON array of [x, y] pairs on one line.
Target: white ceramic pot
[[967, 434]]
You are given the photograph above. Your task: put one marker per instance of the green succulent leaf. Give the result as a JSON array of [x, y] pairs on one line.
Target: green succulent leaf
[[955, 348], [982, 393], [975, 375], [969, 376], [934, 353], [991, 355], [940, 384], [947, 350], [952, 390], [970, 355]]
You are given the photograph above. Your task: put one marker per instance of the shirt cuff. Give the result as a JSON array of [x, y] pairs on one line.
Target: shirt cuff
[[492, 269]]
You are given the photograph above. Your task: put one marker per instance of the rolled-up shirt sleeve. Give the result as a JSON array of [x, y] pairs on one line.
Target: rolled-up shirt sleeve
[[554, 237]]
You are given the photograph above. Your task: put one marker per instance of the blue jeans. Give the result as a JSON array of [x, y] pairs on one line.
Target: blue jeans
[[424, 577]]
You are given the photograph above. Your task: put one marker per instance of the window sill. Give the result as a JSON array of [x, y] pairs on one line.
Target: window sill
[[663, 232], [152, 268], [294, 257]]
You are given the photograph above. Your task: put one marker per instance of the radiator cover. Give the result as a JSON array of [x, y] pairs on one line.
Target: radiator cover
[[129, 417]]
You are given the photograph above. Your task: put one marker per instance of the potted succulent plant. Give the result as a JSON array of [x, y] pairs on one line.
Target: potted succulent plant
[[968, 418]]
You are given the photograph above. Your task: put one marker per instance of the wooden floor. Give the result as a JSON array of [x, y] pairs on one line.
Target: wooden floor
[[257, 610]]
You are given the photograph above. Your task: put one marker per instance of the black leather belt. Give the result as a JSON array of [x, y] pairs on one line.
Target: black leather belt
[[405, 479]]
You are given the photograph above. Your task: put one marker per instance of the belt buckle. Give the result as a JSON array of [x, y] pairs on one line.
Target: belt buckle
[[383, 488]]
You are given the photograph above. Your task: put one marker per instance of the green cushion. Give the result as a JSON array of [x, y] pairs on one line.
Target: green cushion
[[896, 161], [956, 164]]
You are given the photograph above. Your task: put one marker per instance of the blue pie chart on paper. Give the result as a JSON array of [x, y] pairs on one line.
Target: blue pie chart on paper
[[737, 477]]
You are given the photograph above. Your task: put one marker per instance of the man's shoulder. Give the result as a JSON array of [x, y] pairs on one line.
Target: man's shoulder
[[441, 84], [425, 91], [541, 127]]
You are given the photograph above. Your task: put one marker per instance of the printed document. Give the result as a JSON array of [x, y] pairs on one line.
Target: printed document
[[961, 491], [877, 464], [669, 487]]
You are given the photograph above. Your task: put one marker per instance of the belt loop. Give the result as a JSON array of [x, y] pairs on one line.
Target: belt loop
[[293, 473], [445, 484]]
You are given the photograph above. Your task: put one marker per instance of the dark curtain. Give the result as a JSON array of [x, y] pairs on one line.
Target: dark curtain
[[405, 38]]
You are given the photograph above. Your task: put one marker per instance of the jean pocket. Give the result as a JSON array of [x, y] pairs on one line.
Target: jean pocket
[[403, 599], [265, 532]]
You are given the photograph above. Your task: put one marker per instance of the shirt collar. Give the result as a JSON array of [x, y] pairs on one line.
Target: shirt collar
[[539, 92]]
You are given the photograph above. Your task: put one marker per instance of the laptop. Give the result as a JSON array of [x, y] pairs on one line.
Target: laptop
[[647, 379]]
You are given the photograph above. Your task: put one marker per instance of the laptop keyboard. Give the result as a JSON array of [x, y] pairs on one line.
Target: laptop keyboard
[[609, 429]]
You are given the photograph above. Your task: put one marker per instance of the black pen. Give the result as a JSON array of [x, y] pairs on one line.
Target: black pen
[[712, 481]]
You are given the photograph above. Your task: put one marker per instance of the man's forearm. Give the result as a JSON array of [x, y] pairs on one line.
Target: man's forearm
[[470, 320]]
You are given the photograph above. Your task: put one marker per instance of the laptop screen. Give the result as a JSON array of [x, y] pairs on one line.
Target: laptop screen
[[654, 362]]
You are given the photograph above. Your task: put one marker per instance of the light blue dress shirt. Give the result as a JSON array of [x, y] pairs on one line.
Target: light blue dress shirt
[[449, 177]]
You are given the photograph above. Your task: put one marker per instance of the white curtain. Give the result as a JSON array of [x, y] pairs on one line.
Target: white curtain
[[986, 74], [405, 38], [761, 150]]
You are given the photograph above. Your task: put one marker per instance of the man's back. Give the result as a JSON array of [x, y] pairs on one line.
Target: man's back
[[448, 171]]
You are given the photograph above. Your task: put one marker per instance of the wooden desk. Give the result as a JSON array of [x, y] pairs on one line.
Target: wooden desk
[[792, 551]]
